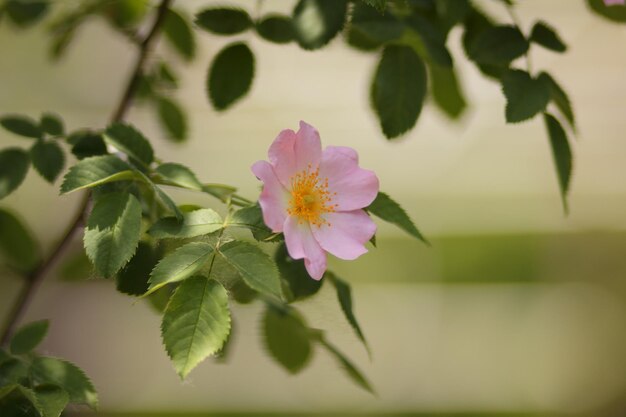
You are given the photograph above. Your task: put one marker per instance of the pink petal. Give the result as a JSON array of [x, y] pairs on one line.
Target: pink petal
[[355, 187], [291, 152], [347, 234], [274, 198], [347, 151], [301, 244]]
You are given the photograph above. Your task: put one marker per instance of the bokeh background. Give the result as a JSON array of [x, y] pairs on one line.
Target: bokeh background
[[515, 309]]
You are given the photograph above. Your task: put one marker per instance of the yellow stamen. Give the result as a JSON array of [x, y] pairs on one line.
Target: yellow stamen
[[310, 197]]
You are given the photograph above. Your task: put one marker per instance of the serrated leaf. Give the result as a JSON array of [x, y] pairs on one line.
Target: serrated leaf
[[179, 34], [613, 13], [28, 337], [96, 170], [195, 223], [14, 163], [525, 96], [498, 45], [180, 264], [379, 5], [172, 118], [21, 125], [370, 29], [68, 376], [398, 90], [317, 22], [13, 371], [559, 97], [224, 21], [52, 124], [18, 247], [178, 175], [295, 275], [19, 401], [230, 75], [133, 278], [129, 140], [86, 144], [255, 267], [344, 295], [287, 339], [112, 232], [26, 13], [544, 35], [251, 218], [351, 370], [48, 159], [52, 400], [561, 153], [446, 91], [388, 210], [276, 29], [162, 197], [196, 323]]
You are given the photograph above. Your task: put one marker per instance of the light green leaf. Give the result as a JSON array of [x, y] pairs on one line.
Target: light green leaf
[[76, 267], [344, 295], [446, 91], [293, 272], [544, 35], [21, 125], [559, 98], [14, 165], [85, 144], [230, 75], [348, 366], [251, 218], [129, 140], [172, 118], [179, 34], [390, 211], [195, 223], [525, 96], [276, 29], [52, 399], [48, 159], [317, 22], [256, 268], [96, 170], [52, 124], [561, 154], [17, 244], [68, 376], [133, 278], [178, 175], [224, 21], [398, 90], [196, 323], [286, 337], [180, 264], [498, 45], [112, 232], [28, 337], [219, 191]]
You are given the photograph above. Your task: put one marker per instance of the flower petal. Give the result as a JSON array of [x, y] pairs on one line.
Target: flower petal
[[347, 234], [274, 198], [292, 152], [355, 187], [301, 244]]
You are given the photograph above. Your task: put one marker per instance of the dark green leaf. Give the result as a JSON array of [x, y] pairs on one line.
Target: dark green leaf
[[17, 245], [178, 175], [369, 28], [125, 14], [180, 264], [67, 376], [172, 118], [241, 293], [48, 159], [498, 45], [431, 42], [452, 12], [13, 371], [196, 323], [344, 295], [14, 165], [166, 76], [350, 369], [390, 211], [162, 197], [287, 338], [559, 97], [300, 283], [96, 170], [544, 35], [275, 28], [446, 91], [129, 140], [21, 125], [85, 144], [195, 223], [398, 90], [230, 75], [52, 124], [615, 13], [223, 21], [112, 232], [76, 267], [25, 13], [133, 278], [18, 401], [379, 5], [28, 337], [525, 96], [317, 22], [179, 34], [52, 400], [251, 218], [561, 153]]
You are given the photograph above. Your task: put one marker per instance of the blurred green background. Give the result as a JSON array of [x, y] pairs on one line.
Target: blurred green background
[[516, 309]]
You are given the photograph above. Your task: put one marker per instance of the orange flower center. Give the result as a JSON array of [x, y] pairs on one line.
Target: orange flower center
[[310, 197]]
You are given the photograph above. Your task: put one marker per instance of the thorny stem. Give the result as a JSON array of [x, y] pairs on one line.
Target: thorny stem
[[36, 277]]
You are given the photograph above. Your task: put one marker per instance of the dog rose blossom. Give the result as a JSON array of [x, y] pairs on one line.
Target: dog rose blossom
[[316, 198]]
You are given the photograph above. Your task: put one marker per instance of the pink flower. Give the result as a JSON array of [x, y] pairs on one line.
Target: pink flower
[[613, 2], [316, 198]]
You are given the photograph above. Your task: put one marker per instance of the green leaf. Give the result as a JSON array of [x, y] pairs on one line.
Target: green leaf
[[287, 338], [275, 28], [196, 323], [615, 13], [180, 264], [431, 42], [133, 278], [13, 371], [379, 5], [293, 272], [129, 140], [195, 223], [112, 232], [67, 376], [26, 13], [52, 400], [219, 191], [76, 267], [370, 29], [344, 295], [85, 144], [398, 90], [390, 211], [223, 21], [14, 165], [21, 125], [256, 268], [19, 401], [348, 366], [178, 175], [561, 154], [446, 91], [230, 75], [28, 337], [452, 12], [172, 118], [17, 244], [317, 22], [559, 98], [498, 45], [544, 35], [179, 34], [251, 218], [48, 159], [52, 124], [96, 170], [525, 96]]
